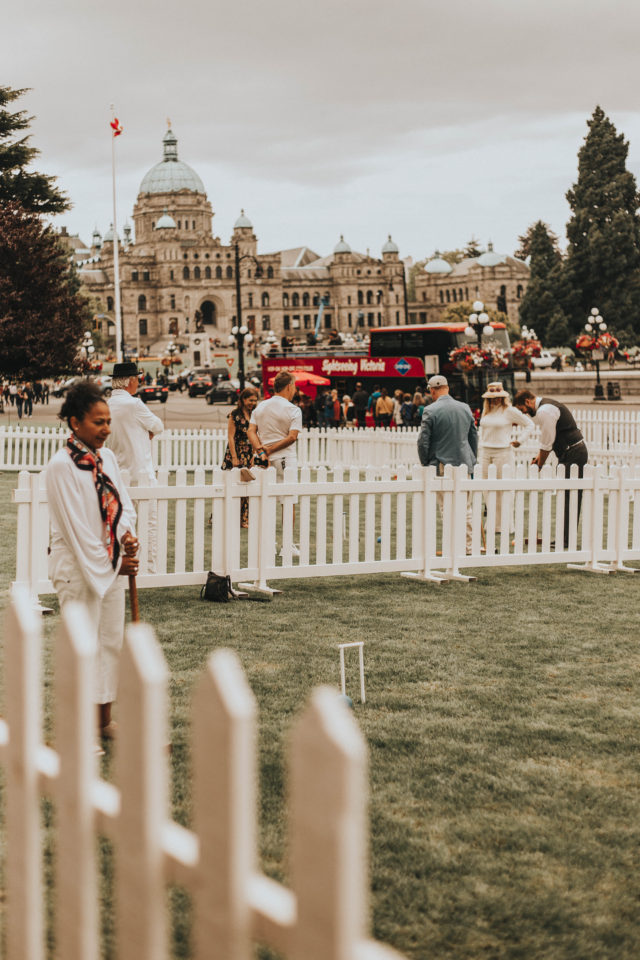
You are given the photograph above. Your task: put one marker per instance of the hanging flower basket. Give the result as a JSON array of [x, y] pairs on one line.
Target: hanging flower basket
[[587, 343], [470, 358], [523, 351]]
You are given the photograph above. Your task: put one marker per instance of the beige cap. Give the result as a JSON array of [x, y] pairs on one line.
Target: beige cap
[[437, 381]]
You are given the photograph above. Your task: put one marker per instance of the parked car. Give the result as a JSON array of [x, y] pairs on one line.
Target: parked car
[[104, 382], [153, 391], [199, 381], [544, 360], [225, 391]]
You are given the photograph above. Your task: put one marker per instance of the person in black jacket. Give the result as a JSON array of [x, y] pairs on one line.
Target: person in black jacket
[[560, 433]]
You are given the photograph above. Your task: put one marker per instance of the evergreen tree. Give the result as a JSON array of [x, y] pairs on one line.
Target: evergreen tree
[[603, 260], [34, 191], [541, 301], [557, 332], [473, 248], [524, 250], [42, 317]]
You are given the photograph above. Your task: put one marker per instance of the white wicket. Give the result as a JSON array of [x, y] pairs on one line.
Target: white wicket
[[342, 647]]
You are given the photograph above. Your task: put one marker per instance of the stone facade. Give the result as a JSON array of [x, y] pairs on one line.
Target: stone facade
[[499, 280], [177, 274]]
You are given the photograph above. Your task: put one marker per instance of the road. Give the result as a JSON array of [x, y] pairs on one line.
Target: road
[[179, 411], [182, 411]]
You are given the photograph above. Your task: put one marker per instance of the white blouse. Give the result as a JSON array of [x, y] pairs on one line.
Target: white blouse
[[497, 425], [76, 525]]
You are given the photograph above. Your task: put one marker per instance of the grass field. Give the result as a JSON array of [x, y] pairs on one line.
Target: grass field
[[502, 720]]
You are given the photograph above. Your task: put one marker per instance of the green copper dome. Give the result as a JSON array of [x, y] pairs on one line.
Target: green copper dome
[[171, 174]]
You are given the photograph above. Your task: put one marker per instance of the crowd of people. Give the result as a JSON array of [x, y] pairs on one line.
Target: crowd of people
[[378, 408], [22, 395]]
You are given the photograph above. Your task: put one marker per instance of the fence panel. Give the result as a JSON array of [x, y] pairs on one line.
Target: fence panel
[[234, 903]]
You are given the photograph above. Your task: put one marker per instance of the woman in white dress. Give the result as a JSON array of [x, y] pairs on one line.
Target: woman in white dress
[[496, 446], [93, 544]]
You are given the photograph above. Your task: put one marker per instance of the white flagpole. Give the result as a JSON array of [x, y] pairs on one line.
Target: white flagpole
[[116, 265]]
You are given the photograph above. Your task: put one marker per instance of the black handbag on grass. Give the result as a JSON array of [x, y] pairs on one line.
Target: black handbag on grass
[[217, 589]]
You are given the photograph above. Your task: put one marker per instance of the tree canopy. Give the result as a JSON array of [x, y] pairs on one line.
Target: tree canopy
[[34, 191], [542, 300], [42, 317], [602, 267]]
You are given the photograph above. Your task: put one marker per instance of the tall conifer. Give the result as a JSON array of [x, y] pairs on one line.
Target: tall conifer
[[602, 267], [541, 302]]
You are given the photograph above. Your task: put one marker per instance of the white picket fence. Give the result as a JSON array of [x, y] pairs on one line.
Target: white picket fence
[[352, 522], [323, 916], [612, 436]]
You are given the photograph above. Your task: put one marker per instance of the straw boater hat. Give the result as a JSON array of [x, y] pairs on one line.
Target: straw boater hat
[[495, 391]]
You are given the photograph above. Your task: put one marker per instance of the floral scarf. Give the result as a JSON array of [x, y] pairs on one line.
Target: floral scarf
[[108, 496]]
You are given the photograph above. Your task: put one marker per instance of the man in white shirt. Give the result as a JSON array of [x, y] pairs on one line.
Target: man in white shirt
[[133, 426], [560, 433], [275, 425]]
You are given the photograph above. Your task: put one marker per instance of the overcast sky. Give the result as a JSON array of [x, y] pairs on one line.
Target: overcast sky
[[431, 121]]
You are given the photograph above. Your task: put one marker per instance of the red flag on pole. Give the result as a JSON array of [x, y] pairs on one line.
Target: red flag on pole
[[116, 126]]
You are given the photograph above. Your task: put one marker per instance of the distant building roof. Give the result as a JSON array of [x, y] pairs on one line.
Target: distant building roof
[[171, 175]]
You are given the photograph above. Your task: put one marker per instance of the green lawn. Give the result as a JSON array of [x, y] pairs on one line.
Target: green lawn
[[502, 720]]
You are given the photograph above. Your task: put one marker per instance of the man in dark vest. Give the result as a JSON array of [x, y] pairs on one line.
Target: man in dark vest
[[560, 433]]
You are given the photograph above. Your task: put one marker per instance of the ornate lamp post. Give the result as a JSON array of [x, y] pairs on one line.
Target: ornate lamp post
[[238, 336], [87, 348], [240, 333], [479, 323], [596, 326]]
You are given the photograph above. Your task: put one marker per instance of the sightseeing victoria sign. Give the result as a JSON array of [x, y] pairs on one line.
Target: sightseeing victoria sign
[[335, 367]]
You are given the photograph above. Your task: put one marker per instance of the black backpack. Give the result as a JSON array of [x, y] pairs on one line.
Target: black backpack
[[217, 589]]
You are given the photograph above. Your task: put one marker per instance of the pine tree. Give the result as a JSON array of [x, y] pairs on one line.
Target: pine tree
[[34, 191], [524, 250], [603, 260], [541, 301], [42, 315]]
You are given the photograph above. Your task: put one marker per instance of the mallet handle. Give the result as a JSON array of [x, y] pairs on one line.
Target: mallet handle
[[133, 599]]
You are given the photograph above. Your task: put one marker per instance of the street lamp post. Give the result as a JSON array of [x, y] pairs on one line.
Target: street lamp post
[[479, 323], [596, 326], [87, 348], [240, 333]]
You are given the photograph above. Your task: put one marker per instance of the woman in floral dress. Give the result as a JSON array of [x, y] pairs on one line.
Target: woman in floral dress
[[239, 452]]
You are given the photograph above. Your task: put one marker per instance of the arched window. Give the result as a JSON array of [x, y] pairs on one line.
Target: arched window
[[305, 299], [229, 273], [369, 296], [207, 273], [142, 302], [379, 296], [285, 299], [448, 297], [295, 300], [265, 299], [519, 291], [218, 273], [360, 298], [316, 299], [109, 303], [266, 323], [441, 296], [455, 295], [270, 273], [196, 273], [185, 273], [460, 295], [250, 299], [258, 270], [424, 295]]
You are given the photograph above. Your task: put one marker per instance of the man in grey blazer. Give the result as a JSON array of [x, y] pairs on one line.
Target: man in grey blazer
[[448, 435]]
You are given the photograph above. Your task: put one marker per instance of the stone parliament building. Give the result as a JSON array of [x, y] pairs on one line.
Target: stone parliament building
[[176, 276]]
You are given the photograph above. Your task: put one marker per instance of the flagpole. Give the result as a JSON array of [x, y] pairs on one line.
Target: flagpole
[[116, 264]]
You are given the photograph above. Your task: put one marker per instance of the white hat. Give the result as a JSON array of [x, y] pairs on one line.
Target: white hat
[[437, 381], [495, 391]]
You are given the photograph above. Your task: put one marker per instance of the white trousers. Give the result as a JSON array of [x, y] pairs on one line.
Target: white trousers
[[500, 457], [468, 514], [106, 617]]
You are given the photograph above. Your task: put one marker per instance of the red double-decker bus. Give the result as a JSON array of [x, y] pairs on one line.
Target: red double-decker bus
[[397, 358]]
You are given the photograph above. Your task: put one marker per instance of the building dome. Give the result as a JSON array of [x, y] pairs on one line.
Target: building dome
[[342, 246], [390, 246], [491, 258], [438, 265], [166, 222], [171, 175], [243, 221], [109, 235]]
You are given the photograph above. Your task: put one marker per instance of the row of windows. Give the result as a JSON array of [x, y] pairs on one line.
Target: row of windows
[[308, 321], [186, 224], [460, 296]]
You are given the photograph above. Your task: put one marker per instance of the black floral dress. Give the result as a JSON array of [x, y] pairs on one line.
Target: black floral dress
[[244, 453]]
